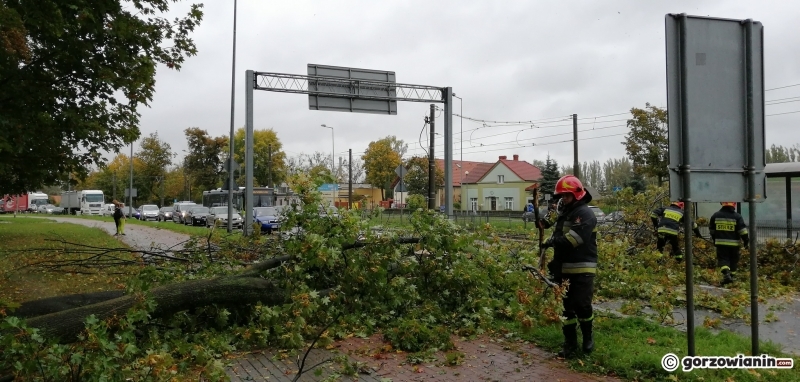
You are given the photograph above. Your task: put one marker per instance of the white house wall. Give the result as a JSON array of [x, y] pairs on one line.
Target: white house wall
[[500, 169]]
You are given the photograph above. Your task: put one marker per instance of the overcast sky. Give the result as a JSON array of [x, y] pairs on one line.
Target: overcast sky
[[509, 61]]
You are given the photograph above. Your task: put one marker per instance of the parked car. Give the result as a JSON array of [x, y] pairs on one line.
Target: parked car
[[196, 215], [181, 209], [148, 212], [613, 217], [268, 218], [598, 213], [165, 213], [530, 217], [130, 212], [49, 209], [108, 210], [218, 216]]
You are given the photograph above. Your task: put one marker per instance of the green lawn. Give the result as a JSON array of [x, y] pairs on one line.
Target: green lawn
[[632, 348], [30, 241]]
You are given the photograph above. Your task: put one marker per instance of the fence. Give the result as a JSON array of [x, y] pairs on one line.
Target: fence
[[468, 219]]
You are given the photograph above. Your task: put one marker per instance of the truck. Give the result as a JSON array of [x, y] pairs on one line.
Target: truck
[[28, 202], [87, 202]]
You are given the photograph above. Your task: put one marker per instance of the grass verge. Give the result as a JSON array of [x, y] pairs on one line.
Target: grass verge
[[632, 348], [30, 241]]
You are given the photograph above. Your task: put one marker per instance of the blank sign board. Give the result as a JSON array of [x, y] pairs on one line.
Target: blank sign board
[[353, 95], [715, 106]]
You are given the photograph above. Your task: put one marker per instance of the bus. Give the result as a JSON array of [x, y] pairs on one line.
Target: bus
[[262, 197]]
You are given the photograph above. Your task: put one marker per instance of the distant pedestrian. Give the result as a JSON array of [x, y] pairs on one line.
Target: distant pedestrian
[[119, 219], [727, 227]]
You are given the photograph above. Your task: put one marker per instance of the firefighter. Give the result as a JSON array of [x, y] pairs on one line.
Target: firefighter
[[667, 222], [727, 227], [574, 244]]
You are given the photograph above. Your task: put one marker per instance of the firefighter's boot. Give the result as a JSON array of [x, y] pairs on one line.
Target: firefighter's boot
[[570, 341], [726, 276], [588, 338]]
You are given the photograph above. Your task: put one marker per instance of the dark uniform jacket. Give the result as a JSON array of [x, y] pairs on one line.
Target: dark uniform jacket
[[727, 226], [669, 219], [575, 238]]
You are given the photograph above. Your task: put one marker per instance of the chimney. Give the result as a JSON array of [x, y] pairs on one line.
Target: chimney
[[516, 157], [503, 157]]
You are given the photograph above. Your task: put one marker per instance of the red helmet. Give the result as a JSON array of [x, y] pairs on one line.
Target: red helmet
[[728, 204], [570, 184], [679, 204]]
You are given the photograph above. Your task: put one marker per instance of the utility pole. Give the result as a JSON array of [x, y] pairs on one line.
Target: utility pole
[[230, 148], [431, 165], [576, 166], [114, 185], [350, 179]]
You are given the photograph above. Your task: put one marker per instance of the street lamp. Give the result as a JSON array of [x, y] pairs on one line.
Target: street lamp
[[333, 151]]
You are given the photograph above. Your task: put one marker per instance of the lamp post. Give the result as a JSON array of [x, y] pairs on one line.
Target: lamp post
[[461, 139], [333, 163]]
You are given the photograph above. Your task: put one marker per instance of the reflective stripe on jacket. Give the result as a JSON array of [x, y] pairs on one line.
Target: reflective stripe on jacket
[[575, 240], [726, 226]]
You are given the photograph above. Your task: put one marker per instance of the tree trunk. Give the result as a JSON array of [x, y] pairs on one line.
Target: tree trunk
[[227, 291], [61, 303]]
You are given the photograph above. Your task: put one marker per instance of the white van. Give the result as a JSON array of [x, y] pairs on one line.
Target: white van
[[108, 210]]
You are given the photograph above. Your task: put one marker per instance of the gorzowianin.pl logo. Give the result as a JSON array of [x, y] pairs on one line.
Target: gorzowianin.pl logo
[[671, 362]]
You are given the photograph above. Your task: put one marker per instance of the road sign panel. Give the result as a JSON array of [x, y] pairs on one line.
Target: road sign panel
[[401, 171], [714, 71], [377, 82]]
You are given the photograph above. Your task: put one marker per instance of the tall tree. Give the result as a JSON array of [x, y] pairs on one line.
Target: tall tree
[[416, 179], [205, 159], [398, 145], [550, 176], [617, 172], [647, 143], [73, 75], [781, 154], [380, 161], [358, 171], [262, 140], [156, 156]]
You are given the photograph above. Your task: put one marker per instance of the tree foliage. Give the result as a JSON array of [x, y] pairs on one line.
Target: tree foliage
[[781, 154], [647, 143], [550, 176], [156, 157], [73, 75], [380, 161], [205, 158], [262, 139], [416, 179]]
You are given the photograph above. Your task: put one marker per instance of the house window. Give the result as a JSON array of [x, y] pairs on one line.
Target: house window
[[501, 179], [509, 203], [473, 204]]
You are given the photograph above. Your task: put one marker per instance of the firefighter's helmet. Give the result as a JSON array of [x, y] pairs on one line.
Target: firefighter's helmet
[[679, 204], [728, 204], [570, 184]]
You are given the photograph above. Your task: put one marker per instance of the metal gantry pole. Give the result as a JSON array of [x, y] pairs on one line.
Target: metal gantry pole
[[448, 151], [249, 79], [431, 164], [230, 146], [751, 186], [685, 168]]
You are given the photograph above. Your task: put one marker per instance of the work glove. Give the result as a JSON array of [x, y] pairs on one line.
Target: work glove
[[548, 243]]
